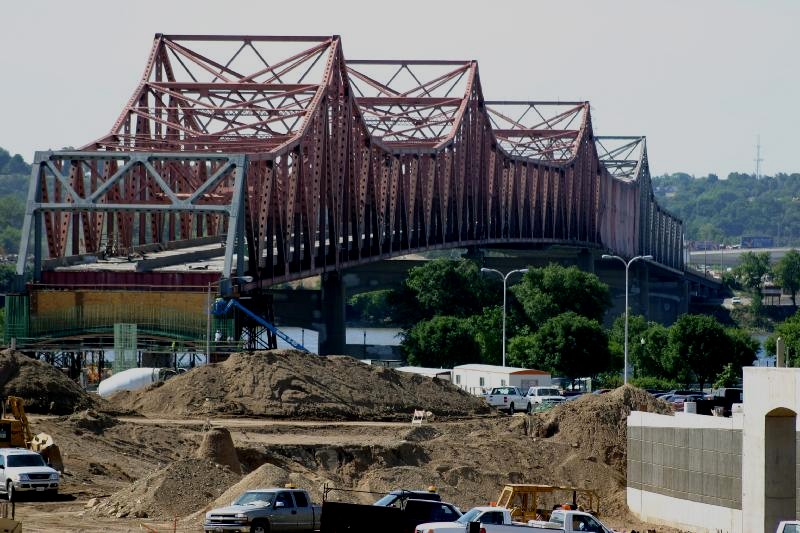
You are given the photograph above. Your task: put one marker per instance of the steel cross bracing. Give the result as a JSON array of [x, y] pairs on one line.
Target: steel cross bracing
[[336, 163]]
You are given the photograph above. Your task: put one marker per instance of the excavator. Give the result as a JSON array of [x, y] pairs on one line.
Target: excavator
[[15, 432]]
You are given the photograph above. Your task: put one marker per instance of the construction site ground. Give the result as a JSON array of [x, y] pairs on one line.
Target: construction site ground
[[127, 472]]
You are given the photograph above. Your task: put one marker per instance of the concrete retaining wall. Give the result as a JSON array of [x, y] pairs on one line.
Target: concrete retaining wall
[[686, 470]]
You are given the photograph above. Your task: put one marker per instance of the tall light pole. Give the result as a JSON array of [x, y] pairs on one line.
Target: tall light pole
[[627, 266], [505, 282]]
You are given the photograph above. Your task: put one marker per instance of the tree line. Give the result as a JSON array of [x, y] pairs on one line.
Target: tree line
[[724, 210], [451, 314]]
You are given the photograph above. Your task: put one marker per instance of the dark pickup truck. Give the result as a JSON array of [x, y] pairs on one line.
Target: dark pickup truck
[[340, 517]]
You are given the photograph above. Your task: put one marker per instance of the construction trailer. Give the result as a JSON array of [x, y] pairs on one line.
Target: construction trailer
[[478, 378]]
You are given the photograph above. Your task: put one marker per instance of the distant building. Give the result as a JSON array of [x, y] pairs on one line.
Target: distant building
[[441, 373], [477, 378], [757, 242]]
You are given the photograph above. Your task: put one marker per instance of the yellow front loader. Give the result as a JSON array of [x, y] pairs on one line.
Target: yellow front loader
[[15, 432]]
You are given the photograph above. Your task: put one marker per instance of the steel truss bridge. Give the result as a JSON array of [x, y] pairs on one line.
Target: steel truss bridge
[[296, 161]]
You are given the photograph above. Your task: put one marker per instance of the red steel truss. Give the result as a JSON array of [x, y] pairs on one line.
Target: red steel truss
[[309, 163]]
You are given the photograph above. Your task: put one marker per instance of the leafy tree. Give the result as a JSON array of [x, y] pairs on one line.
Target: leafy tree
[[550, 291], [487, 329], [752, 269], [742, 349], [728, 377], [372, 306], [637, 328], [442, 341], [787, 272], [789, 330], [7, 276], [445, 287], [698, 348], [650, 382], [568, 345]]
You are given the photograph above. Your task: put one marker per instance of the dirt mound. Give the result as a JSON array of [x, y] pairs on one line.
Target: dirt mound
[[180, 488], [44, 388], [269, 475], [289, 383], [217, 446], [597, 423], [92, 421]]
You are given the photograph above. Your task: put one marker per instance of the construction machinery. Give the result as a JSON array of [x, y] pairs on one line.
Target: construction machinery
[[15, 432], [536, 502]]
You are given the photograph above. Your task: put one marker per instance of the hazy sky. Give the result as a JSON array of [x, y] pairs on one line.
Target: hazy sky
[[699, 78]]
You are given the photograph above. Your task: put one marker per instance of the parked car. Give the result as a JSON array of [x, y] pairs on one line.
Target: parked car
[[23, 471], [788, 526], [677, 400], [266, 510], [509, 399]]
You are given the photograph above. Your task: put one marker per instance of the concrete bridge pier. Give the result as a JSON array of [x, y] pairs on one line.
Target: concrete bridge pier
[[333, 333], [586, 260]]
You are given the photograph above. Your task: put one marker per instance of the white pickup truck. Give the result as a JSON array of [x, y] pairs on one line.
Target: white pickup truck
[[498, 520], [544, 395], [508, 399]]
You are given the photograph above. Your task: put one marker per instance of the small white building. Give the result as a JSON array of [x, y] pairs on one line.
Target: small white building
[[477, 378], [441, 373]]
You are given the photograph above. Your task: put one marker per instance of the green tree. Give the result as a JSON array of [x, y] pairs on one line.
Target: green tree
[[441, 342], [568, 345], [445, 287], [742, 349], [752, 269], [487, 328], [787, 272], [789, 331], [637, 328], [372, 306], [728, 377], [550, 291], [698, 347]]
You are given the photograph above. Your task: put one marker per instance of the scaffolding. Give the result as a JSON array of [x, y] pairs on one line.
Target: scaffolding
[[126, 353]]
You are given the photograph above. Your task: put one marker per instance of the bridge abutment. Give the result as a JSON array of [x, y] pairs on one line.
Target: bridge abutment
[[332, 336]]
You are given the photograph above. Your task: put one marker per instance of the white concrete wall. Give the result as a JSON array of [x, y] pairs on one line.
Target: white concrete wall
[[684, 514], [767, 391]]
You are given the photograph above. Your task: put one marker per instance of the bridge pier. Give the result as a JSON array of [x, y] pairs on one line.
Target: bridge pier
[[332, 336], [643, 271], [586, 260]]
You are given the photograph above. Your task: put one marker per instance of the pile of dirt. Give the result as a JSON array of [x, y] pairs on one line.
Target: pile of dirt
[[217, 446], [294, 384], [180, 488], [44, 388], [597, 423]]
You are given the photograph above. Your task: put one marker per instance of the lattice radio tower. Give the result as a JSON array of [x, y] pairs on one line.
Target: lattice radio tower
[[758, 158]]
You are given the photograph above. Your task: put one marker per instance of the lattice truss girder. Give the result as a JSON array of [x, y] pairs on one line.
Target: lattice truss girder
[[111, 202], [346, 163]]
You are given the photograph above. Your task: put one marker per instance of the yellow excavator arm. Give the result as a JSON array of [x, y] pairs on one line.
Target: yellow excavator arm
[[42, 442], [15, 405]]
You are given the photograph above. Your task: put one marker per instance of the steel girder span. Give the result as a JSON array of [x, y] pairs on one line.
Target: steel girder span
[[301, 162]]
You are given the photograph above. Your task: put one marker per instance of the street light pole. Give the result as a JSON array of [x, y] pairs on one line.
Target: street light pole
[[505, 282], [627, 267]]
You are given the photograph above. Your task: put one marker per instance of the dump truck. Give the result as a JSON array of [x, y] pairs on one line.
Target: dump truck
[[15, 432]]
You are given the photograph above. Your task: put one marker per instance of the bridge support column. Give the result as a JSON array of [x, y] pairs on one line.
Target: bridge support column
[[683, 304], [332, 338], [644, 289], [586, 260]]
